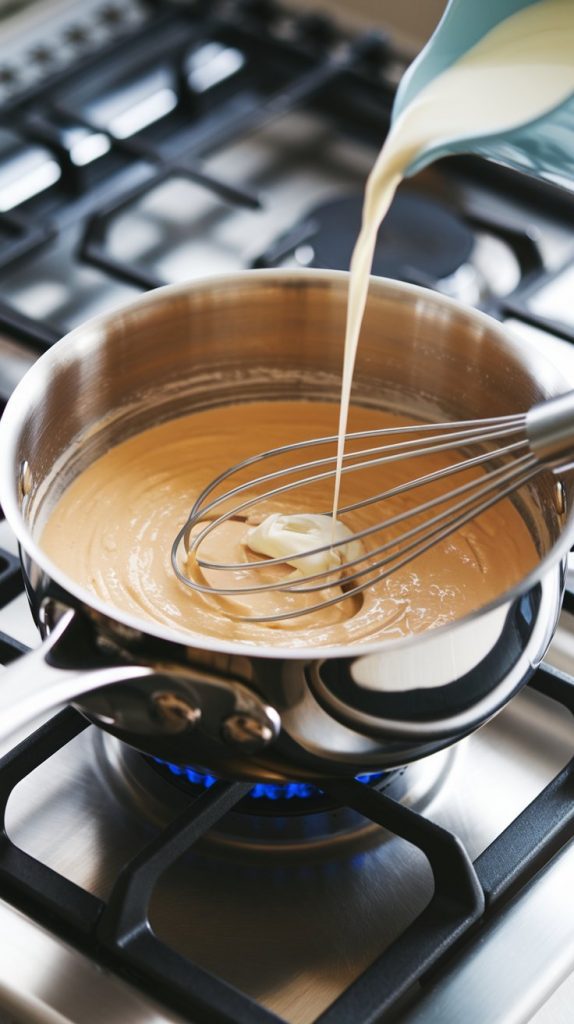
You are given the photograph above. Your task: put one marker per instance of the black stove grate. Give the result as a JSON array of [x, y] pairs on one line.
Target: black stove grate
[[290, 61], [287, 62], [11, 583], [118, 934]]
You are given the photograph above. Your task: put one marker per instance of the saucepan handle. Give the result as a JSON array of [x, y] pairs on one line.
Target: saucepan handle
[[41, 680]]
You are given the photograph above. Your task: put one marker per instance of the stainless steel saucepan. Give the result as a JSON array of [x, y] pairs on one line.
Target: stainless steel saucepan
[[259, 713]]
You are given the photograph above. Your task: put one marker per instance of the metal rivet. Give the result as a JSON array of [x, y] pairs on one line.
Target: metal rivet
[[175, 712], [560, 498], [25, 480], [50, 612], [247, 732]]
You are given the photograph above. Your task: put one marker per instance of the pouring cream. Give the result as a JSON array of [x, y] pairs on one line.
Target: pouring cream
[[517, 72]]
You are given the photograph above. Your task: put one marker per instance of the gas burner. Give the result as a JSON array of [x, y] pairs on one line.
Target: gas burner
[[274, 817], [422, 241], [264, 797]]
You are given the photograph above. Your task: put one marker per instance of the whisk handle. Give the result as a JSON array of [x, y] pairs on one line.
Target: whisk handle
[[550, 428]]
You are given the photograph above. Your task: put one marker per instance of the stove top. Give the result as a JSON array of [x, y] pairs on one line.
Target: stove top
[[145, 143]]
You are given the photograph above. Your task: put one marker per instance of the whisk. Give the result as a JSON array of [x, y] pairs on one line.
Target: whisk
[[512, 449]]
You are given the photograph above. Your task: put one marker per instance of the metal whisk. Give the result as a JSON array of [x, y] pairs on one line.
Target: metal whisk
[[513, 449]]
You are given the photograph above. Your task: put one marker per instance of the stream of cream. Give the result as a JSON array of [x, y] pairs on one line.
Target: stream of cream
[[517, 72]]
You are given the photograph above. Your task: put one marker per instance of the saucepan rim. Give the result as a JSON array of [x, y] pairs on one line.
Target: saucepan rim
[[33, 382]]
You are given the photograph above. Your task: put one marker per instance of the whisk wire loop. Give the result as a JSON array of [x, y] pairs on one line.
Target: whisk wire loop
[[510, 452], [407, 449], [410, 553], [374, 499], [202, 511]]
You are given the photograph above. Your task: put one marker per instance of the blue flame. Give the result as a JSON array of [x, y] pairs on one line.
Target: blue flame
[[268, 790]]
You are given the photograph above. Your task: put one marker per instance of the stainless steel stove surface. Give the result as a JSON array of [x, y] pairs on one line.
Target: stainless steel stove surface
[[144, 143]]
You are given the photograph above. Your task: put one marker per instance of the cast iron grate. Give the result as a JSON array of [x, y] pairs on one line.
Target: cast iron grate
[[11, 583], [288, 63], [118, 934]]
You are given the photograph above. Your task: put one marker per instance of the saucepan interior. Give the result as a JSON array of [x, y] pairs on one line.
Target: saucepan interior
[[260, 335]]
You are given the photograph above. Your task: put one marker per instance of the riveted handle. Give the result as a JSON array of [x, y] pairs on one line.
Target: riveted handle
[[43, 680], [171, 698]]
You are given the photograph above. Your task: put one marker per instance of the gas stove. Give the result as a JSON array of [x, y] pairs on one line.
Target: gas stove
[[146, 143]]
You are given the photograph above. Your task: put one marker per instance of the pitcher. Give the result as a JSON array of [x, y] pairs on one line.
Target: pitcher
[[543, 145]]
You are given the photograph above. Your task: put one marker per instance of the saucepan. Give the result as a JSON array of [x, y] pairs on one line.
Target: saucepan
[[246, 711]]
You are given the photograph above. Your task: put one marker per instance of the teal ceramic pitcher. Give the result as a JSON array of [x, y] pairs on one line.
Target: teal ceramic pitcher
[[543, 147]]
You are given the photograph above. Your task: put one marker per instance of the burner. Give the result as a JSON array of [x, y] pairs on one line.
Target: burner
[[421, 241], [282, 818], [264, 797]]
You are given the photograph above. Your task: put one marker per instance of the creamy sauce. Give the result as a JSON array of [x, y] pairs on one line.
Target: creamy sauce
[[113, 527], [517, 72]]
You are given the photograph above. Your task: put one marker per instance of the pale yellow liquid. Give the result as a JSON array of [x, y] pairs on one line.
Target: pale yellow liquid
[[519, 71]]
